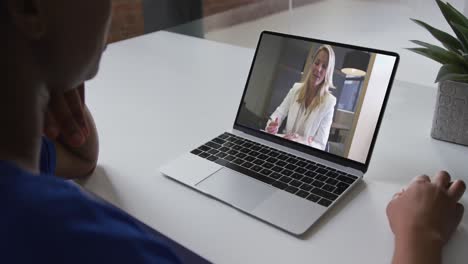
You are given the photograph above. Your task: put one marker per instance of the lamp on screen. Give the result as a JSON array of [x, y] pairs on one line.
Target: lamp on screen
[[355, 63]]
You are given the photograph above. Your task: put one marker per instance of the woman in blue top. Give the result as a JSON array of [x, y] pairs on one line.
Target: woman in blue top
[[53, 46]]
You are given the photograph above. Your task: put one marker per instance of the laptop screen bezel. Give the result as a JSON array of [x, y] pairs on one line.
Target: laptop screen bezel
[[301, 147]]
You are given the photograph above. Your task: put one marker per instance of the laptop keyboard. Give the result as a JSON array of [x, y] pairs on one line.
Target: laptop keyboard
[[304, 178]]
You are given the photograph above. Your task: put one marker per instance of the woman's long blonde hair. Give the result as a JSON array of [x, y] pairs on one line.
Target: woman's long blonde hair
[[324, 86]]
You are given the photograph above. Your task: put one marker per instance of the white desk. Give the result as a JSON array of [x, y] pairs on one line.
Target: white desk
[[162, 94]]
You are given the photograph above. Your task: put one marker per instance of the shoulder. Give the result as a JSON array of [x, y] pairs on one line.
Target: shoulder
[[330, 99], [296, 87]]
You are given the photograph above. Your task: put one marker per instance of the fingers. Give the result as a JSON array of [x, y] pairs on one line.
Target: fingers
[[75, 105], [51, 127], [420, 179], [70, 129], [442, 179], [456, 190], [459, 211]]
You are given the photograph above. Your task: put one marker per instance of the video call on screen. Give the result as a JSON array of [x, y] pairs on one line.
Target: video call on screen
[[323, 96]]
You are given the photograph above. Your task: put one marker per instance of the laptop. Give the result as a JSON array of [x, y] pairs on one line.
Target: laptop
[[286, 161]]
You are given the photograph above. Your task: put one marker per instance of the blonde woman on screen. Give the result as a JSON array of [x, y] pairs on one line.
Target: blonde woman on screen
[[309, 106]]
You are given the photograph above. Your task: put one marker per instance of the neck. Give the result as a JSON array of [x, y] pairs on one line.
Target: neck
[[22, 106]]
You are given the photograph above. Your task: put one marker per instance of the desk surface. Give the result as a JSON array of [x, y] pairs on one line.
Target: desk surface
[[162, 94]]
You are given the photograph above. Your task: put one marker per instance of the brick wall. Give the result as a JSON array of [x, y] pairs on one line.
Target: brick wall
[[127, 20]]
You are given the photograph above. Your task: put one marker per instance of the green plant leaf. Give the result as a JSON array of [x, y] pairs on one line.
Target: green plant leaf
[[446, 39], [463, 30], [451, 72], [439, 54], [454, 17]]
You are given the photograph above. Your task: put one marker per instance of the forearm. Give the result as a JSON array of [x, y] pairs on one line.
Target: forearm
[[417, 249]]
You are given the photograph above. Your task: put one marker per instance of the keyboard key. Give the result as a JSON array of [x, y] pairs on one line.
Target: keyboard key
[[331, 181], [307, 179], [219, 141], [318, 184], [274, 154], [258, 162], [324, 202], [204, 155], [256, 168], [272, 160], [282, 157], [305, 187], [204, 148], [241, 155], [295, 183], [247, 165], [224, 136], [250, 173], [249, 158], [266, 172], [256, 148], [213, 151], [196, 151], [281, 163], [285, 179], [321, 171], [237, 147], [286, 172], [342, 185], [232, 152], [297, 176], [301, 163], [312, 197], [224, 149], [264, 150], [267, 165], [302, 194], [321, 178], [247, 145], [221, 155], [228, 145], [254, 153], [311, 167], [300, 170], [324, 194], [332, 174], [230, 158], [213, 145], [280, 185], [339, 190], [311, 174], [277, 168], [275, 175], [328, 188], [345, 179], [212, 158], [292, 160], [262, 157], [291, 189], [291, 167], [238, 161]]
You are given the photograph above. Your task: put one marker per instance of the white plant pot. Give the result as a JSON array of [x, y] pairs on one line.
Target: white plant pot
[[450, 121]]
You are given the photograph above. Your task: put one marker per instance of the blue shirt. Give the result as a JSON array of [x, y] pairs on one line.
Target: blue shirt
[[45, 219]]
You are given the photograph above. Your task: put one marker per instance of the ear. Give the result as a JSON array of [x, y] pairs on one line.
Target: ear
[[27, 16]]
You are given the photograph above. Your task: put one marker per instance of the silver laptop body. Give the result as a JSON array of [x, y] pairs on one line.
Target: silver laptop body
[[292, 202]]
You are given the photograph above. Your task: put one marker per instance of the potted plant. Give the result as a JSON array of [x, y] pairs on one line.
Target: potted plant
[[450, 121]]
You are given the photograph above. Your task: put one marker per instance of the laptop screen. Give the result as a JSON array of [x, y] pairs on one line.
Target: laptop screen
[[322, 95]]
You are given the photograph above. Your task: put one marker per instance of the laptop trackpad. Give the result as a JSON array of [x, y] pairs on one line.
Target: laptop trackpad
[[237, 189]]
